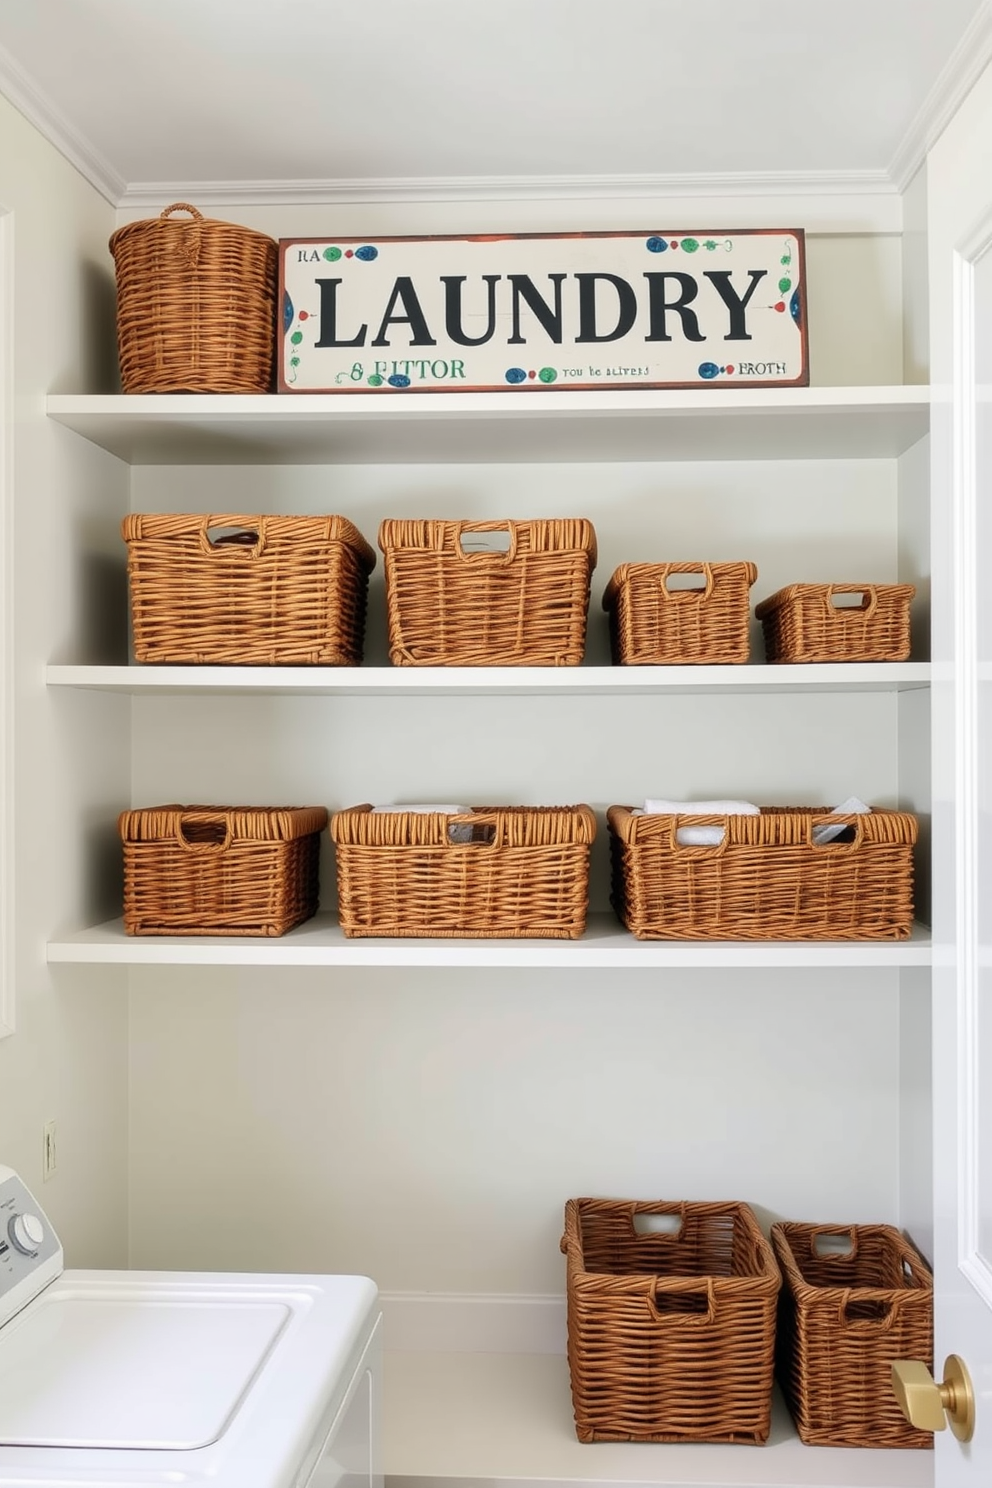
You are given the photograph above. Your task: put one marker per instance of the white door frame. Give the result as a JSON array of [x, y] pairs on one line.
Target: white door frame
[[6, 624]]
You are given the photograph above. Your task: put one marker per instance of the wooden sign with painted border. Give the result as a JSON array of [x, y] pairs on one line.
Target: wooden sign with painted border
[[538, 312]]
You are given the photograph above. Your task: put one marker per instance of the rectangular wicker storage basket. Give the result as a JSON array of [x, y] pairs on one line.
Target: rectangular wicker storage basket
[[220, 870], [267, 591], [848, 1310], [652, 624], [499, 871], [448, 605], [196, 305], [767, 879], [803, 623], [671, 1334]]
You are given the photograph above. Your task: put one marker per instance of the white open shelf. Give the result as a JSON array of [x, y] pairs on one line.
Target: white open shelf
[[321, 942], [718, 423], [505, 1421], [494, 681]]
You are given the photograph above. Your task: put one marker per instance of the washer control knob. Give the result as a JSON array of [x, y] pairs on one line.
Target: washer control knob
[[27, 1232]]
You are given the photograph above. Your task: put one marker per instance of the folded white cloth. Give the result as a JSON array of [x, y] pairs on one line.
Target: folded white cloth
[[851, 807], [424, 810], [699, 836]]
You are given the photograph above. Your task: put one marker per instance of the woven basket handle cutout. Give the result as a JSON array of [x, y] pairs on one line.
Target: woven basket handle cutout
[[204, 831], [699, 849], [680, 596], [865, 610], [883, 1308], [833, 1243], [667, 1302], [831, 819], [661, 1222], [491, 555], [473, 831], [246, 534]]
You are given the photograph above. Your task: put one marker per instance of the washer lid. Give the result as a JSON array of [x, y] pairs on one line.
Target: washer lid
[[83, 1370]]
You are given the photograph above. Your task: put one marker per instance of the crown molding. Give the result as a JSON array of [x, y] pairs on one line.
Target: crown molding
[[52, 124], [962, 70]]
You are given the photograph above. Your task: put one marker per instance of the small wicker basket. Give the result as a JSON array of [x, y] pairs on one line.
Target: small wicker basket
[[268, 591], [856, 1298], [450, 606], [499, 871], [804, 623], [220, 870], [196, 305], [671, 1334], [768, 879], [652, 624]]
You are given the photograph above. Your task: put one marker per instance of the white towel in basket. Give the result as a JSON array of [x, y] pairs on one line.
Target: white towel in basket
[[700, 836]]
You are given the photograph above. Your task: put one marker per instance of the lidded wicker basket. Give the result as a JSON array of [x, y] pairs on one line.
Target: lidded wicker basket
[[247, 590], [493, 872], [220, 870], [196, 305], [449, 604], [654, 624], [671, 1332], [804, 623], [855, 1299]]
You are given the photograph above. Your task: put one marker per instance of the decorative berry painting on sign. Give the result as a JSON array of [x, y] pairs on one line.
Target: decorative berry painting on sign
[[535, 313]]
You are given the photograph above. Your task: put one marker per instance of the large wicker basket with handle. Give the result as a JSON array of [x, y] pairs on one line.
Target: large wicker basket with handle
[[196, 305], [804, 623], [247, 590], [653, 623], [494, 871], [220, 870], [769, 878], [855, 1299], [450, 604], [671, 1321]]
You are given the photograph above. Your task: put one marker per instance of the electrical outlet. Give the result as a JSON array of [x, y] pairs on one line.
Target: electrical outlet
[[48, 1152]]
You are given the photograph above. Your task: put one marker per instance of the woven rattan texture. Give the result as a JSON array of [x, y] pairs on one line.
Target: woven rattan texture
[[220, 870], [196, 302], [296, 596], [524, 874], [653, 625], [671, 1337], [843, 1320], [526, 607], [801, 623], [766, 880]]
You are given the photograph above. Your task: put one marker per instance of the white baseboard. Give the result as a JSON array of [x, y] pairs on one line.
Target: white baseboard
[[473, 1323]]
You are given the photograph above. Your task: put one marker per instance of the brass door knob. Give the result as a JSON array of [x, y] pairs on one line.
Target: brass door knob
[[924, 1403]]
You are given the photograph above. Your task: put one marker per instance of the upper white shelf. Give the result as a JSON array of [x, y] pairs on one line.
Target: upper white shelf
[[717, 423], [143, 681]]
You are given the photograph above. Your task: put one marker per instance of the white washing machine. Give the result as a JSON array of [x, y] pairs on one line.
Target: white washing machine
[[130, 1379]]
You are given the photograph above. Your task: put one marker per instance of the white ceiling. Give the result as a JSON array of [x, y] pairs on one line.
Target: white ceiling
[[308, 91]]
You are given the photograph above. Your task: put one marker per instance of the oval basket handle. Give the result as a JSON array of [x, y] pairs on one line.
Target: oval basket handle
[[188, 244], [835, 611], [250, 524], [203, 819], [686, 1287], [494, 557], [182, 207], [678, 595]]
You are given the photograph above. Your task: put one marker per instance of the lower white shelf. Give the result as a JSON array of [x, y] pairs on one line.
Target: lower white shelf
[[320, 942], [506, 1419]]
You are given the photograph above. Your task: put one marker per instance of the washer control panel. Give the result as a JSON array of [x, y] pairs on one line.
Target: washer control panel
[[30, 1253]]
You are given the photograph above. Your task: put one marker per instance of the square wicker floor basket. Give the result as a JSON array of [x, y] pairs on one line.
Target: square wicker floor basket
[[671, 1335], [854, 1300], [514, 871], [448, 605], [653, 624], [768, 879], [803, 623], [220, 870], [247, 590]]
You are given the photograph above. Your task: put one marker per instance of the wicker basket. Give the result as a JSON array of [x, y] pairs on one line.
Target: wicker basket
[[499, 871], [652, 624], [847, 1312], [767, 879], [288, 591], [220, 870], [196, 305], [802, 623], [450, 606], [671, 1335]]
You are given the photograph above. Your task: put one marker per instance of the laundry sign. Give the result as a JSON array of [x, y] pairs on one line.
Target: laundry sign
[[535, 313]]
